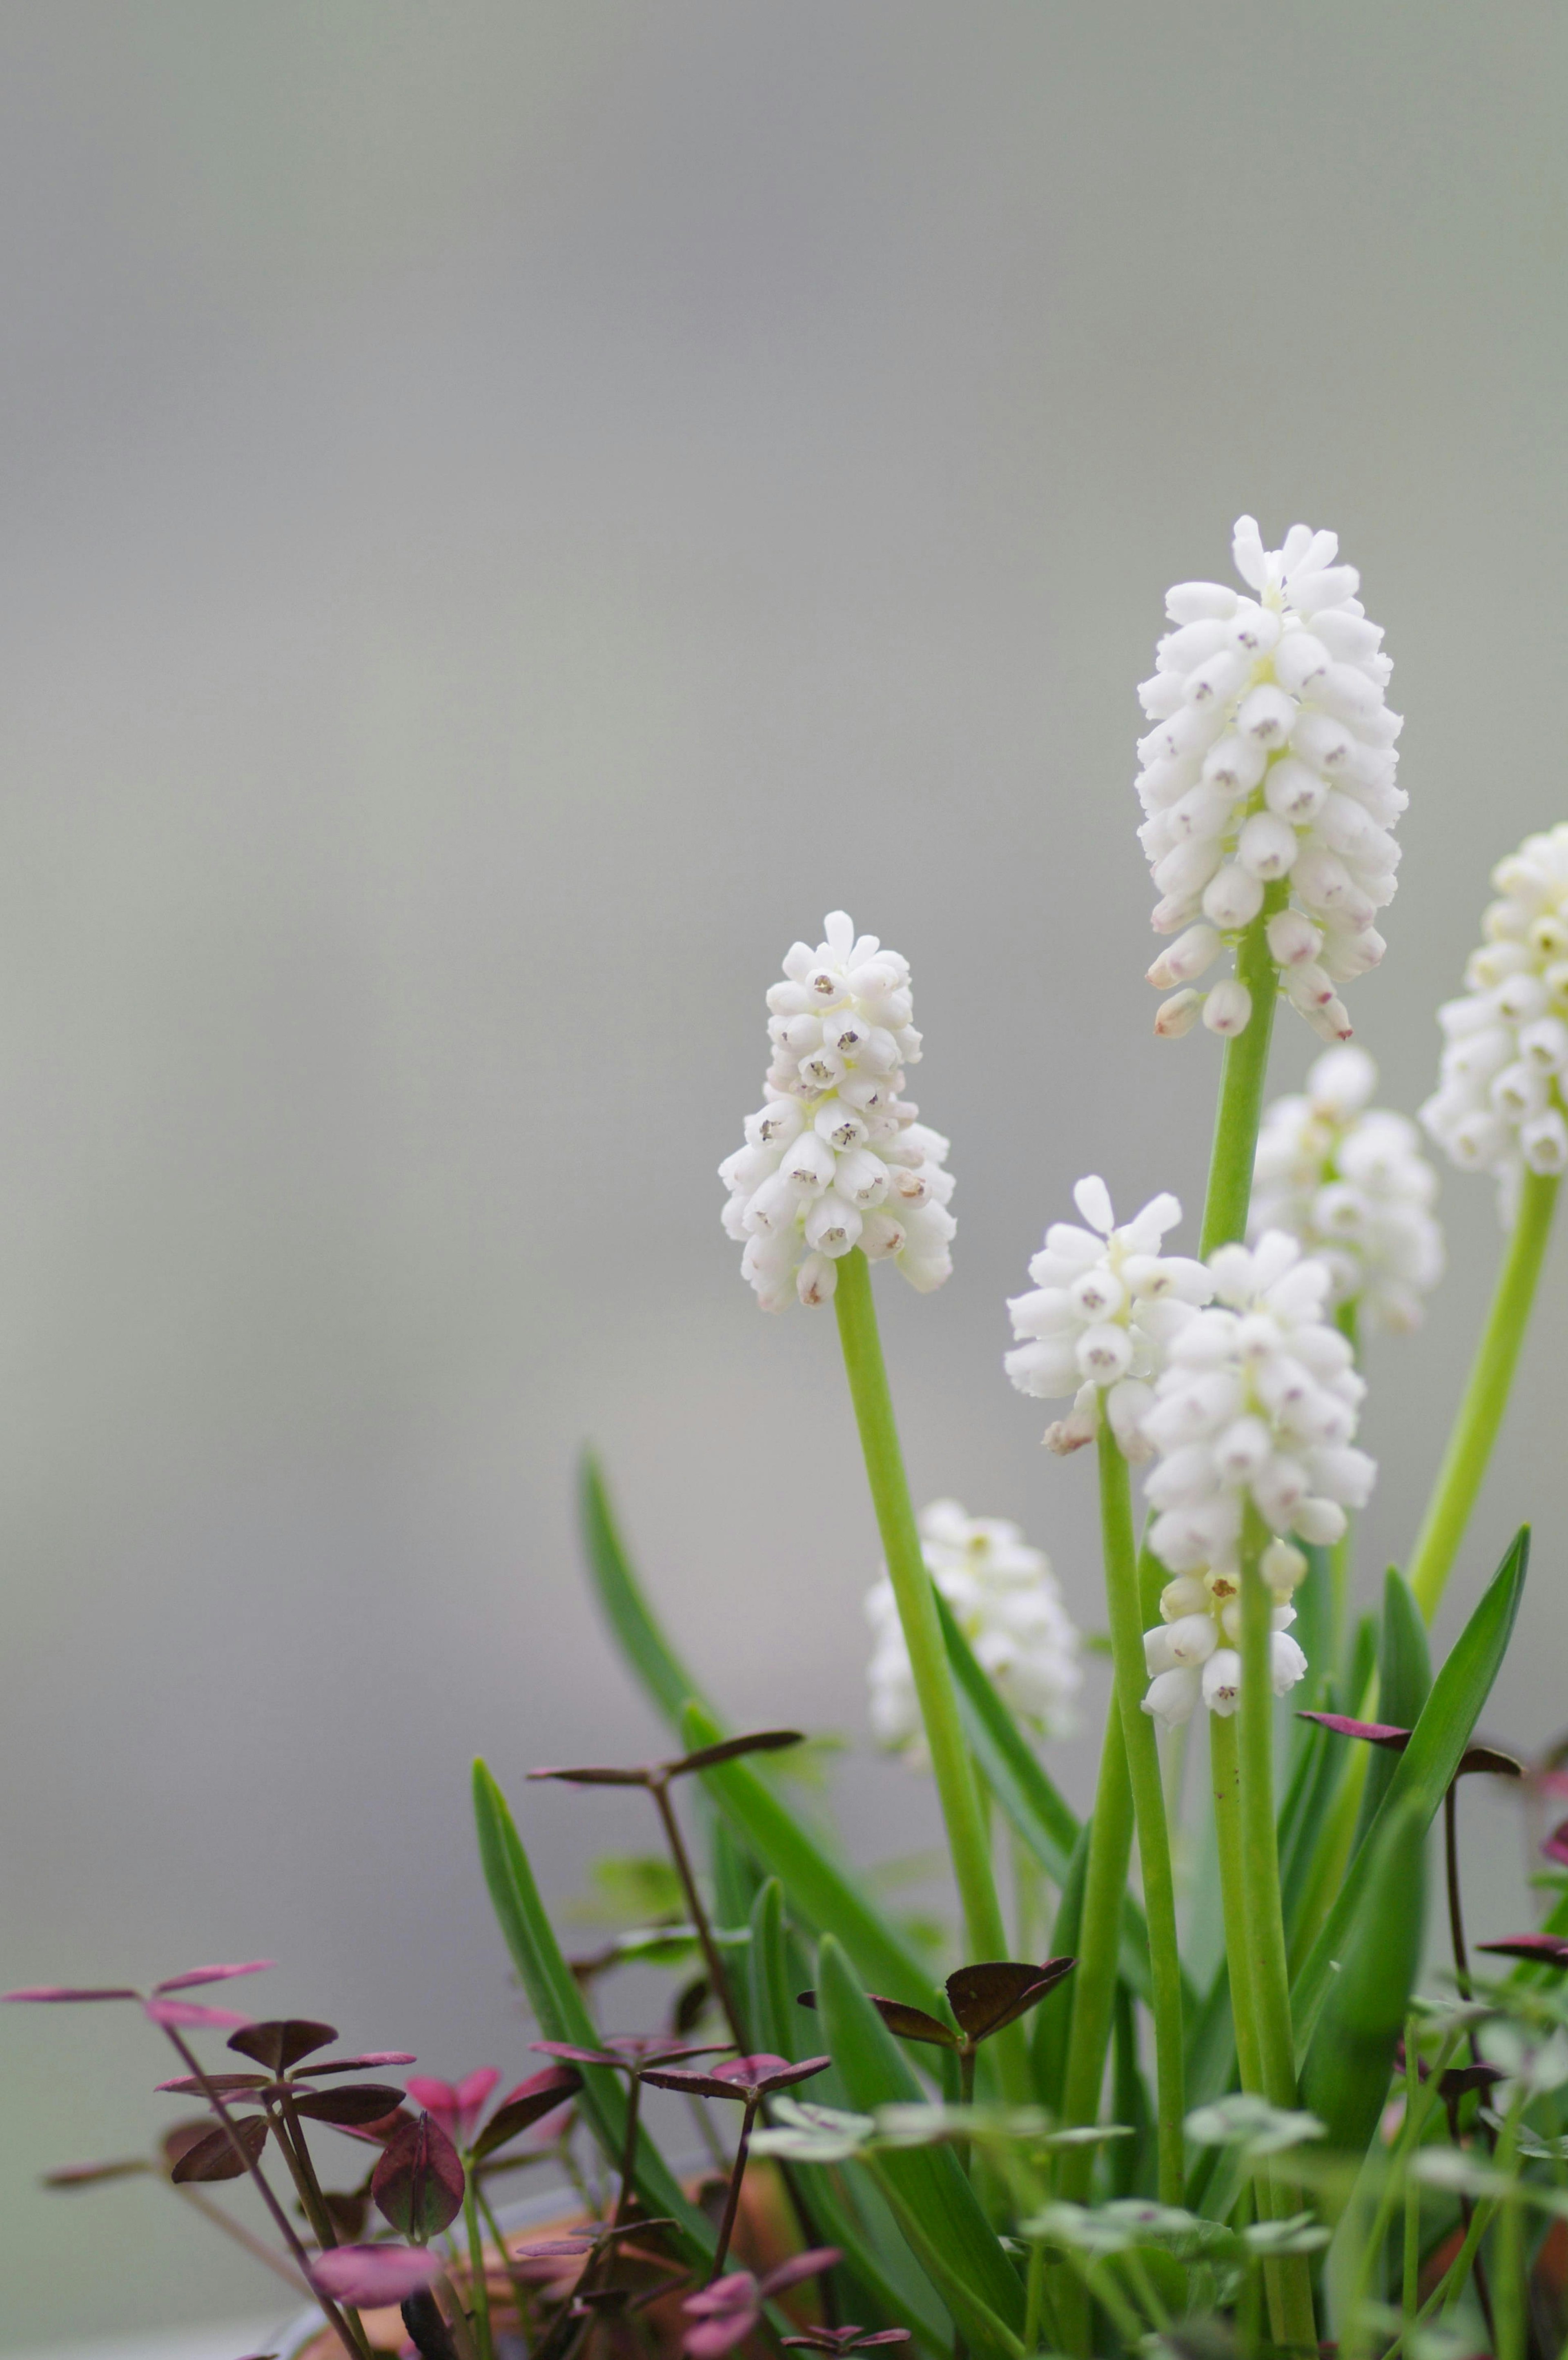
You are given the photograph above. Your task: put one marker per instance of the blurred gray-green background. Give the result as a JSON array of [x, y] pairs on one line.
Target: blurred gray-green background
[[509, 514]]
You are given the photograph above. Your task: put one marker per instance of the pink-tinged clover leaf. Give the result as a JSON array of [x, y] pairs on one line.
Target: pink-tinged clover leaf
[[725, 2313], [213, 1974], [746, 2078], [372, 2276], [191, 2012], [1556, 1847], [456, 2106], [68, 1995]]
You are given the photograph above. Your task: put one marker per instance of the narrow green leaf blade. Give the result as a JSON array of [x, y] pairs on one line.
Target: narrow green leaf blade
[[932, 2200], [1042, 1819], [820, 1894], [1423, 1770], [648, 1652], [1404, 1684], [1345, 2082], [557, 2004]]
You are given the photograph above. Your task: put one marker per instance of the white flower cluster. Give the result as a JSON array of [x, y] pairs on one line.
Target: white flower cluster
[[1499, 1103], [835, 1157], [1005, 1600], [1349, 1180], [1257, 1404], [1271, 757], [1105, 1304]]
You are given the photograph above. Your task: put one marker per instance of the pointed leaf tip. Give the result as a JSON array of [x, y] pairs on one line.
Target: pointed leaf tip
[[213, 1974]]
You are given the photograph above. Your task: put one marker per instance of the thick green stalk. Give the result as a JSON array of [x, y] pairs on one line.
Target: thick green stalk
[[1480, 1413], [1225, 1778], [911, 1590], [1265, 1916], [1098, 1943], [1142, 1749], [1242, 1079]]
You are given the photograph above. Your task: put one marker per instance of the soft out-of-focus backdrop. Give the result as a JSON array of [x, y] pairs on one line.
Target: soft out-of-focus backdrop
[[510, 514]]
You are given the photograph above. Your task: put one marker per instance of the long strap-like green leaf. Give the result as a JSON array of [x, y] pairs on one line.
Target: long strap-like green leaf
[[557, 2004], [1423, 1771], [932, 2200], [1043, 1821], [820, 1895]]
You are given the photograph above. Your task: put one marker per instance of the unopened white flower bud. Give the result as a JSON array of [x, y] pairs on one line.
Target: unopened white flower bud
[[1187, 958], [1227, 1010], [1177, 1014]]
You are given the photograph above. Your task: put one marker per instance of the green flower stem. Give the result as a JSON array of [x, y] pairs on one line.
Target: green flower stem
[[1224, 1765], [1242, 1079], [1485, 1397], [1142, 1750], [967, 1837], [1264, 1917], [1099, 1946]]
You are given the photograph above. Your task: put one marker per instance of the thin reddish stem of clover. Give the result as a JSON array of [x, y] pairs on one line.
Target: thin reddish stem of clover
[[736, 2174], [337, 2320], [291, 2139], [1455, 1914], [658, 1787]]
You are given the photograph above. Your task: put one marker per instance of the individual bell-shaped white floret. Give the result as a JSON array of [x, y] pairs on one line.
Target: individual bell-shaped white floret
[[1105, 1301], [1352, 1184], [1006, 1599], [835, 1158], [1269, 766], [1500, 1105]]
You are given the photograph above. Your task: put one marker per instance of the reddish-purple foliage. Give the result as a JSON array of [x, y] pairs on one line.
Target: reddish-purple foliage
[[418, 2184], [747, 2077], [1542, 1949], [727, 2311], [372, 2275]]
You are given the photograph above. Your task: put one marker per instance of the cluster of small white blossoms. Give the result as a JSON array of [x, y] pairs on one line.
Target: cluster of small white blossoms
[[1499, 1103], [1257, 1403], [1271, 757], [1106, 1304], [1005, 1600], [835, 1157], [1349, 1180]]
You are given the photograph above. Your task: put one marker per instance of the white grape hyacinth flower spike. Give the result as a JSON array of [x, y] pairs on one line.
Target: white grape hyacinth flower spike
[[1503, 1085], [1103, 1310], [836, 1157], [1350, 1181], [1269, 764], [1257, 1406], [1005, 1600]]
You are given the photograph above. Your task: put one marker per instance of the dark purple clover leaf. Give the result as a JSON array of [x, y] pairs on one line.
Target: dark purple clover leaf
[[372, 2060], [212, 2157], [996, 1992], [283, 2042], [729, 1749], [909, 2023], [527, 2104], [1490, 1759], [196, 2085], [89, 2175], [1542, 1949], [746, 2078], [1556, 1847], [418, 2184], [374, 2274], [359, 2103]]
